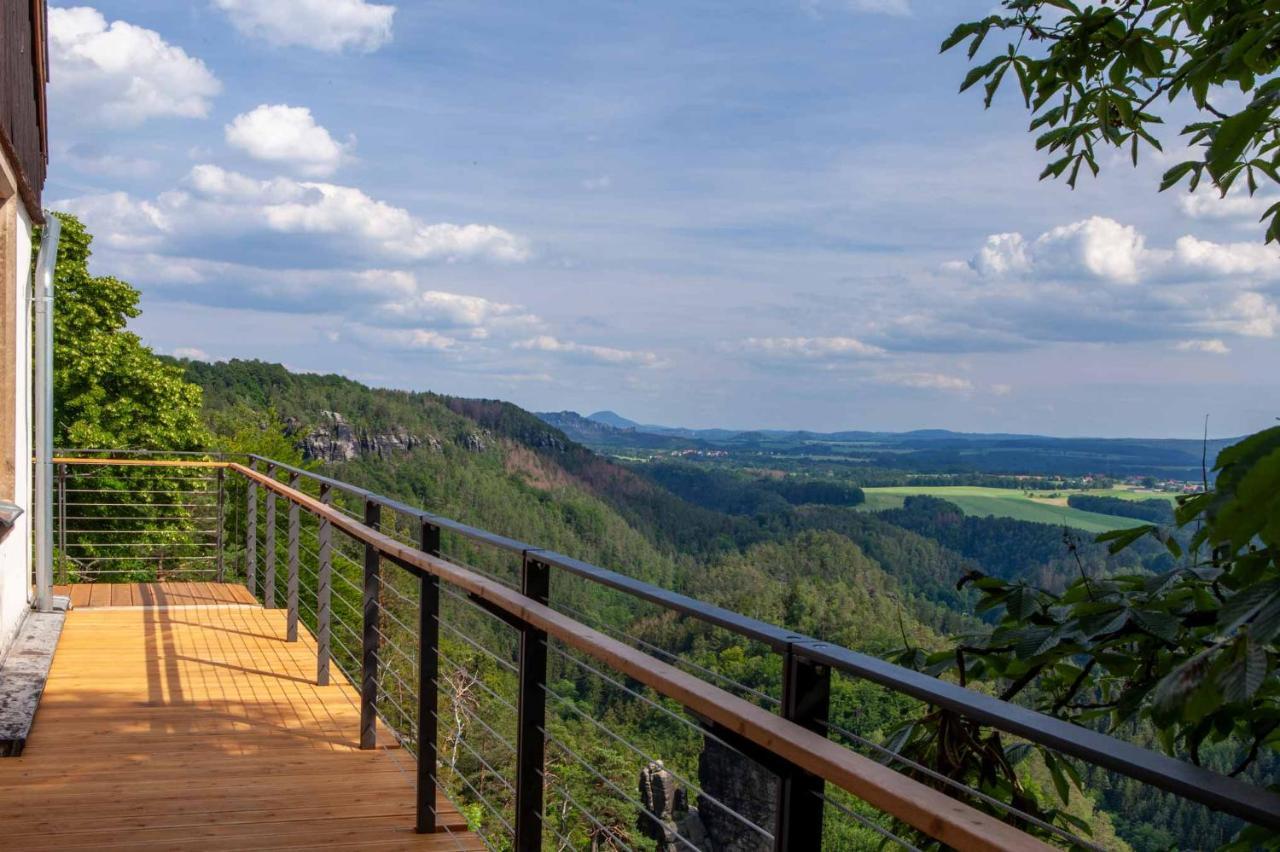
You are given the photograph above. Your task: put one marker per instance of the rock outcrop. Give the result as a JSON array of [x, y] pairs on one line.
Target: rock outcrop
[[735, 791], [670, 822], [742, 786], [333, 439]]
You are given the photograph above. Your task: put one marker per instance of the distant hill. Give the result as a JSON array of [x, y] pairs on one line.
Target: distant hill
[[603, 436], [610, 418], [921, 450]]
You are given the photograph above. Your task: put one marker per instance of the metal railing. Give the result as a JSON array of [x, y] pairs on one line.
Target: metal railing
[[415, 631], [118, 521]]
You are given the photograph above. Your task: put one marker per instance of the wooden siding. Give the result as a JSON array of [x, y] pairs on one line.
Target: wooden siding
[[22, 104]]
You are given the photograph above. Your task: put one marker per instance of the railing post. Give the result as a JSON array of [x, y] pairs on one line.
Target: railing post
[[291, 630], [251, 536], [369, 643], [324, 591], [531, 711], [428, 674], [269, 543], [62, 514], [222, 566], [806, 700]]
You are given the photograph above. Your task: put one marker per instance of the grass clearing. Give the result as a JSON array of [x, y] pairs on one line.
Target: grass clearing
[[1040, 507]]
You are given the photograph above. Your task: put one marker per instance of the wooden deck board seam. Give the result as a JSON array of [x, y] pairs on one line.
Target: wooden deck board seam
[[146, 704]]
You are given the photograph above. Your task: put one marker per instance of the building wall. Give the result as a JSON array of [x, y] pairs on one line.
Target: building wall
[[15, 402]]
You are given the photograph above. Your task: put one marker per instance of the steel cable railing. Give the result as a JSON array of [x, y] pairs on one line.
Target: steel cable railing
[[119, 521], [464, 637], [383, 572]]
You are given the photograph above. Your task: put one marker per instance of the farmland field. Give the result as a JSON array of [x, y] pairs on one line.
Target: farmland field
[[1039, 507]]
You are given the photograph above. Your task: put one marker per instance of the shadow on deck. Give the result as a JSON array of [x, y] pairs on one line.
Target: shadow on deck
[[177, 725]]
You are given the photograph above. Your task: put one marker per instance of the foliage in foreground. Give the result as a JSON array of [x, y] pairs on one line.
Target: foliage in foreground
[[1188, 654], [1092, 76]]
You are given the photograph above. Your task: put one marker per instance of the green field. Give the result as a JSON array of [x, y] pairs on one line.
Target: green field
[[1007, 503]]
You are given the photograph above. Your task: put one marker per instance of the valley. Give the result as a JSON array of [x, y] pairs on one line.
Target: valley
[[846, 552]]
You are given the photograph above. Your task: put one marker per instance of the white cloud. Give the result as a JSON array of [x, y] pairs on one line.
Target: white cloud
[[192, 353], [387, 298], [930, 381], [380, 308], [597, 183], [1097, 246], [217, 182], [1225, 259], [328, 25], [1248, 314], [452, 310], [218, 202], [1001, 255], [119, 220], [1237, 206], [1107, 251], [407, 339], [584, 352], [811, 348], [288, 135], [882, 7], [121, 74], [1212, 346], [1095, 280]]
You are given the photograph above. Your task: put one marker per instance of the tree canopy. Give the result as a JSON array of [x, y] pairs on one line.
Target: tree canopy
[[1096, 75], [111, 391]]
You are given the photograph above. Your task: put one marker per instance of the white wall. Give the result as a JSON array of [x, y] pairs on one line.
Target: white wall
[[15, 549]]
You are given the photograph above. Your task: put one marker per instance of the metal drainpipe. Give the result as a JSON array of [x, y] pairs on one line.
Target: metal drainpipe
[[43, 303]]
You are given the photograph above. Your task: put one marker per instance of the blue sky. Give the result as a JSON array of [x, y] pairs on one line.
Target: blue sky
[[751, 214]]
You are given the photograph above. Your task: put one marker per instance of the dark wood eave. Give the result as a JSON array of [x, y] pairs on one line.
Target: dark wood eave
[[29, 194], [40, 58], [30, 198]]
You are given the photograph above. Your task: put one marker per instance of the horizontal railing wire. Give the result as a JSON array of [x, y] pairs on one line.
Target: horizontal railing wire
[[889, 756], [462, 621], [392, 598], [872, 825]]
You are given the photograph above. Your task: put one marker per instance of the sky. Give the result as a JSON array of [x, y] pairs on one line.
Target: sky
[[750, 214]]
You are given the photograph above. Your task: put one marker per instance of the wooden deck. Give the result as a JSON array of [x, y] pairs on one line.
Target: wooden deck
[[155, 594], [199, 727]]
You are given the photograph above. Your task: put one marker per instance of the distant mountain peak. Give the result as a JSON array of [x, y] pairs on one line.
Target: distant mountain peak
[[612, 418]]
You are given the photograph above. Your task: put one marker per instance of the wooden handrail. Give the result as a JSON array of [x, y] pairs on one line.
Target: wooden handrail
[[930, 811], [142, 462]]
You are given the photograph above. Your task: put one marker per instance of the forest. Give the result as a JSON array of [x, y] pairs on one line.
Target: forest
[[792, 550]]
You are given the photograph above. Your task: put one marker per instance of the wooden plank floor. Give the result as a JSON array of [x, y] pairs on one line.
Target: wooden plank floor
[[201, 728], [155, 594]]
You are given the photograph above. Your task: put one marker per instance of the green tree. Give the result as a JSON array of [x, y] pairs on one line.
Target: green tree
[[1094, 75], [111, 391], [1188, 654]]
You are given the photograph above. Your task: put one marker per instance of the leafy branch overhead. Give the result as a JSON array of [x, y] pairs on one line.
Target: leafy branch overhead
[[1097, 75]]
